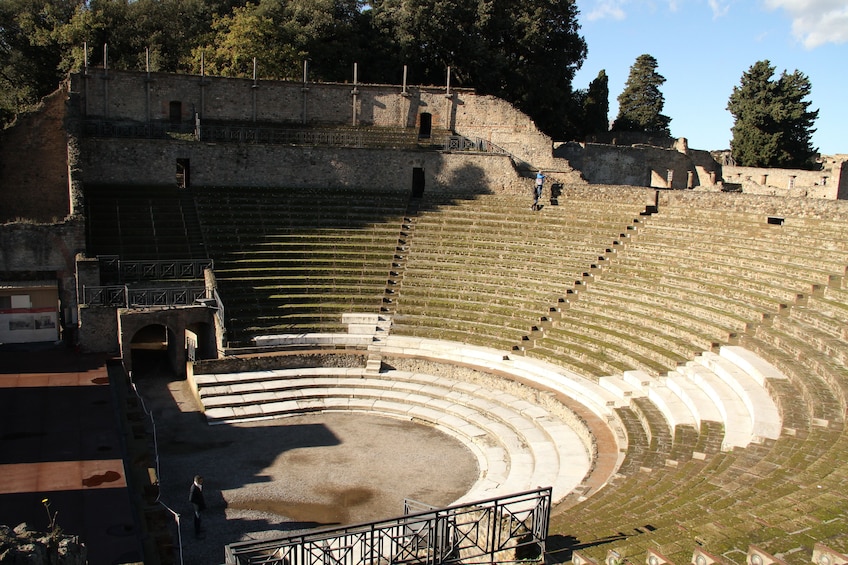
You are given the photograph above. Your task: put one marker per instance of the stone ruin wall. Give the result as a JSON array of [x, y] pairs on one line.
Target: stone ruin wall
[[831, 182], [139, 97], [641, 165], [125, 161], [34, 164]]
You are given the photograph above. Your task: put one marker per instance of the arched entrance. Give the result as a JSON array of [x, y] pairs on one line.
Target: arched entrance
[[153, 351]]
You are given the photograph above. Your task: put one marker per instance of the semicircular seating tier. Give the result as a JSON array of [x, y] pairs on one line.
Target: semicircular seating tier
[[711, 338]]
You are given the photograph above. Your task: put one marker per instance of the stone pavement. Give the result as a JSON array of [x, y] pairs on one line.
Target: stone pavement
[[59, 441]]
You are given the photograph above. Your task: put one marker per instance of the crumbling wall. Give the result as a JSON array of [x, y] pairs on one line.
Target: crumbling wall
[[34, 164]]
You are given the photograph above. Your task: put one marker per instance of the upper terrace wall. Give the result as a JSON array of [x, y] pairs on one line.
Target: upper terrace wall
[[134, 161], [136, 96]]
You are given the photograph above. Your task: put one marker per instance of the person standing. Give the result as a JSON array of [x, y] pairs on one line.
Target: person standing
[[195, 496]]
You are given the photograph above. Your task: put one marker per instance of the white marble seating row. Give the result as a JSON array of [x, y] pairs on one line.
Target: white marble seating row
[[518, 445], [728, 387]]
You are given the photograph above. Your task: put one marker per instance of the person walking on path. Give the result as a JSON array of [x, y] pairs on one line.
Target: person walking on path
[[540, 181], [195, 496]]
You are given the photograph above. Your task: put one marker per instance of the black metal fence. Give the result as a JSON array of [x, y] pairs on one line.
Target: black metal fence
[[122, 296], [507, 529], [116, 270]]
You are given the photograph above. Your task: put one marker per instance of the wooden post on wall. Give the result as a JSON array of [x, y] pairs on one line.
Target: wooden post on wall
[[354, 93], [254, 88], [105, 80], [304, 90], [449, 102]]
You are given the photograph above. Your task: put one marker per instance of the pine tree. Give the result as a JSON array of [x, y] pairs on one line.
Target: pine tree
[[596, 105], [640, 104], [772, 126]]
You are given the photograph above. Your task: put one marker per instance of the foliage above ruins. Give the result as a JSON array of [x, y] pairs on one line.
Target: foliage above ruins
[[773, 125], [525, 51], [641, 102]]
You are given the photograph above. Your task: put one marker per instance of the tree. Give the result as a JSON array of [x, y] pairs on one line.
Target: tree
[[525, 51], [773, 125], [640, 104], [596, 105]]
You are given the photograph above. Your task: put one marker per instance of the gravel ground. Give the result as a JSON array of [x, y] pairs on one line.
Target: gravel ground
[[267, 478]]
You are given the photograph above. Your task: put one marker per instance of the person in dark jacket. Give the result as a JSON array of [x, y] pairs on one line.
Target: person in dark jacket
[[195, 496]]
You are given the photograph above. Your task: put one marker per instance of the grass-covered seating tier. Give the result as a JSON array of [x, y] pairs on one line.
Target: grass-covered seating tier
[[294, 260]]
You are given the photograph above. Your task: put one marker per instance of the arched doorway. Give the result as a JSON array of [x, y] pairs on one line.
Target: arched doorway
[[153, 351]]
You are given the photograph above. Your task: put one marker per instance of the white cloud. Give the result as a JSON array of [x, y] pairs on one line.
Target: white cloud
[[815, 22], [607, 9], [720, 8]]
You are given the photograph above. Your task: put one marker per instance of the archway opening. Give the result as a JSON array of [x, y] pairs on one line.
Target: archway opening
[[153, 351]]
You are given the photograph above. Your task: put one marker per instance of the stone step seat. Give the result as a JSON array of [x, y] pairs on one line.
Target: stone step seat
[[426, 280], [738, 421], [654, 319], [768, 274], [455, 311], [508, 230], [540, 373], [605, 346], [752, 235], [638, 443], [820, 400], [673, 407], [623, 341], [817, 273], [798, 252], [744, 304], [660, 436], [316, 339], [833, 303], [708, 320], [271, 241], [809, 326], [537, 446], [766, 420], [402, 328], [576, 356], [833, 374], [774, 289], [495, 252], [524, 308]]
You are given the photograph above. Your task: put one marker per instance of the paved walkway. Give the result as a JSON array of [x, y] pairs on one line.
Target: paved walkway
[[59, 440]]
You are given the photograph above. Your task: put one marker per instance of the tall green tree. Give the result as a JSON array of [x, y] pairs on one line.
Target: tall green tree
[[30, 51], [525, 51], [596, 105], [773, 125], [641, 102]]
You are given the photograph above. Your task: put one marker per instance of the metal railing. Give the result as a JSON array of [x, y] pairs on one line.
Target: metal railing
[[122, 296], [135, 130], [119, 271], [507, 529]]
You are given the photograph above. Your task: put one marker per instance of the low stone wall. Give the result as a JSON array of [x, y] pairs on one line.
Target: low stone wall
[[279, 360], [756, 204], [787, 182]]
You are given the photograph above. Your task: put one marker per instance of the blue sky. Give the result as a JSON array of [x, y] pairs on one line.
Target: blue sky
[[702, 48]]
